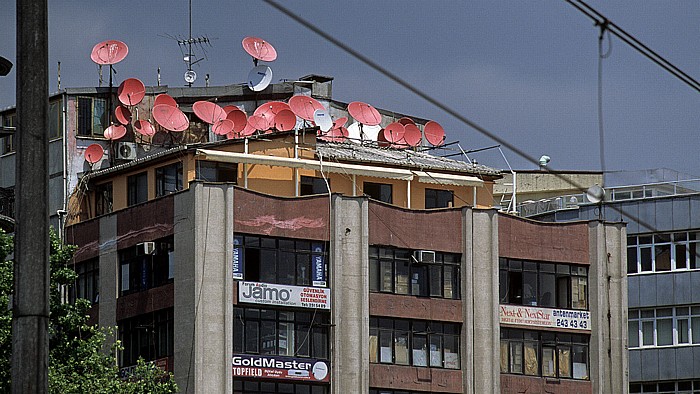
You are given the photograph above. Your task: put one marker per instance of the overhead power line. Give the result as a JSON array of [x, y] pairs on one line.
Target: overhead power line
[[605, 23]]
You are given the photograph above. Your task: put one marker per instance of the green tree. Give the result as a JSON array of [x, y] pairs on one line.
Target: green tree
[[78, 362]]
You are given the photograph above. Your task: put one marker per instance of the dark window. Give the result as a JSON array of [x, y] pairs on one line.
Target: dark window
[[280, 333], [398, 271], [378, 191], [662, 252], [87, 284], [436, 198], [168, 179], [140, 270], [283, 261], [9, 141], [103, 199], [414, 342], [212, 171], [543, 284], [55, 119], [542, 353], [92, 116], [137, 188], [311, 185], [149, 336], [262, 387]]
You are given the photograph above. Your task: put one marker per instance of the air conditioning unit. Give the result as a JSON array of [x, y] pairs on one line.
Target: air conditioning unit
[[126, 150], [424, 256], [145, 248]]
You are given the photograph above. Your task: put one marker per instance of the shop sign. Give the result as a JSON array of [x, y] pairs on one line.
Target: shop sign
[[279, 367], [318, 265], [545, 317], [237, 263], [284, 295]]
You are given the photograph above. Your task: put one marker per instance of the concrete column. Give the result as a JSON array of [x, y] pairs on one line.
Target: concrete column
[[349, 278], [204, 289], [480, 331], [109, 274], [607, 284]]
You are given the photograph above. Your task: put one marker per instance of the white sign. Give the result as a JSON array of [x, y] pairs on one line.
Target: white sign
[[284, 295], [545, 317]]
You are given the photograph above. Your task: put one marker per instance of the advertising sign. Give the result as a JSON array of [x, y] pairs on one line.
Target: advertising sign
[[237, 264], [545, 317], [284, 295], [318, 265], [279, 367]]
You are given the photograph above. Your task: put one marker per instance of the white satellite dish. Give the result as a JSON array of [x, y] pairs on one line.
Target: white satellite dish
[[595, 194], [323, 120], [354, 133], [370, 133], [259, 78], [190, 76]]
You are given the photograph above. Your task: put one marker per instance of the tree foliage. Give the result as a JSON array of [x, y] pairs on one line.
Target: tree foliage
[[80, 359]]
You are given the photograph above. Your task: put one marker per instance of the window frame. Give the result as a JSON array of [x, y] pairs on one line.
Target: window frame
[[134, 185], [688, 313], [8, 143], [312, 185], [87, 281], [143, 272], [222, 171], [437, 198], [156, 330], [167, 173], [685, 242], [96, 130], [380, 193]]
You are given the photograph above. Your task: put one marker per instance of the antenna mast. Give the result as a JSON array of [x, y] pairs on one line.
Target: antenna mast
[[190, 75]]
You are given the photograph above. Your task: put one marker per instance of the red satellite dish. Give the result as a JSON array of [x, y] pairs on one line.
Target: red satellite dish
[[434, 133], [259, 122], [259, 49], [164, 98], [285, 120], [394, 132], [208, 111], [239, 119], [109, 52], [364, 113], [222, 127], [304, 106], [123, 115], [170, 118], [340, 122], [94, 153], [230, 108], [144, 127], [248, 130], [405, 121], [412, 135], [271, 108], [335, 135], [115, 132], [131, 91], [381, 140]]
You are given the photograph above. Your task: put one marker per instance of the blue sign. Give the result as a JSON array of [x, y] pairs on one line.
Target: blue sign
[[237, 263], [318, 266]]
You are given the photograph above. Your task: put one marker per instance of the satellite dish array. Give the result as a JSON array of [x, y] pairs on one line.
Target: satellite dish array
[[233, 122]]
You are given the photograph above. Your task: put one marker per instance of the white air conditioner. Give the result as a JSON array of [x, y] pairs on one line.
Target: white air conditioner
[[424, 256], [145, 248], [126, 150]]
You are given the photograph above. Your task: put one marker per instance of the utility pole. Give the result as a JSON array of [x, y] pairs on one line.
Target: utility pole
[[30, 302]]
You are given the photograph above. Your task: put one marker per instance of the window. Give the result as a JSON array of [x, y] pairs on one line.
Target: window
[[280, 333], [137, 188], [393, 270], [212, 171], [87, 284], [140, 271], [283, 261], [677, 326], [149, 336], [92, 116], [168, 179], [681, 387], [663, 252], [378, 191], [103, 199], [543, 284], [436, 198], [257, 387], [312, 185], [544, 353], [9, 141], [55, 119], [414, 342]]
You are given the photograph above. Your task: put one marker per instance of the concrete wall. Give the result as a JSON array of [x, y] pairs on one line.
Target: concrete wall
[[663, 289], [607, 286], [349, 282], [203, 283], [109, 271], [672, 363]]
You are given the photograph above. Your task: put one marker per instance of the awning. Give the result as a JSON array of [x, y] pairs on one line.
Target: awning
[[447, 179], [342, 168]]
